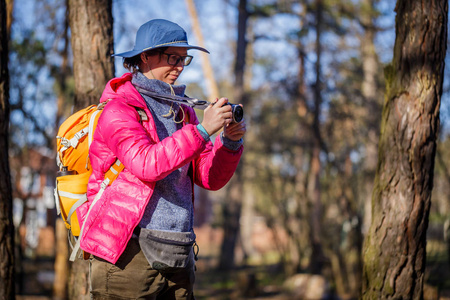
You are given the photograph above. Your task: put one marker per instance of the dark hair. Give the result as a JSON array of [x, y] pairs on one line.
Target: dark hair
[[132, 63]]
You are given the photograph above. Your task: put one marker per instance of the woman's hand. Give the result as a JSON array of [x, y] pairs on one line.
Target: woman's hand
[[216, 116], [235, 131]]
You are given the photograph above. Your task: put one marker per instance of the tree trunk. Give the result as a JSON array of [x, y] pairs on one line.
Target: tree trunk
[[232, 208], [6, 223], [369, 89], [9, 16], [213, 90], [91, 25], [314, 195], [63, 74], [394, 250], [202, 200], [61, 261], [293, 265]]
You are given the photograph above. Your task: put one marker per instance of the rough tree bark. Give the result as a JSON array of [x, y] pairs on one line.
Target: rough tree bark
[[394, 250], [91, 25], [6, 223]]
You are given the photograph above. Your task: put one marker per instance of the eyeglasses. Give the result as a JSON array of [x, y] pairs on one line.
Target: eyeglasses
[[173, 59]]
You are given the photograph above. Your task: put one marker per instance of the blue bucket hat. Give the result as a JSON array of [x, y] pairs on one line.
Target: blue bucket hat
[[159, 33]]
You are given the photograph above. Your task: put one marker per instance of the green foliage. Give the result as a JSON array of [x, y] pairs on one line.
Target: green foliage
[[29, 50]]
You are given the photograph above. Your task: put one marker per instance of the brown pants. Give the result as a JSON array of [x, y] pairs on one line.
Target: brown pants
[[133, 278]]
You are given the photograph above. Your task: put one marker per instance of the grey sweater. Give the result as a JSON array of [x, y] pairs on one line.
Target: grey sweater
[[170, 208]]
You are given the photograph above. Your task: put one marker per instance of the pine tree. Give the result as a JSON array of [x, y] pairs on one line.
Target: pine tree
[[6, 223], [394, 250], [91, 25]]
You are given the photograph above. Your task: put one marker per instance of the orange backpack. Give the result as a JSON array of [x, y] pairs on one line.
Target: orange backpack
[[73, 140]]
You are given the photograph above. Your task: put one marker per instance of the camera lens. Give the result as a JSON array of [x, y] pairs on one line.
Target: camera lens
[[238, 113]]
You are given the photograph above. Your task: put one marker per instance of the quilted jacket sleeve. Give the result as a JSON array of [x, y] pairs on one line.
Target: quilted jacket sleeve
[[216, 164], [142, 154]]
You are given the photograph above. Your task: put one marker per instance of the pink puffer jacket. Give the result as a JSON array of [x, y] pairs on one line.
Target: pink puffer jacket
[[120, 134]]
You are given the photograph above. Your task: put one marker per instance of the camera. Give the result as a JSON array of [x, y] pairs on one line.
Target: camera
[[237, 111]]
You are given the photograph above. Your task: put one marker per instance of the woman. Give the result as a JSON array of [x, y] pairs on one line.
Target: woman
[[140, 232]]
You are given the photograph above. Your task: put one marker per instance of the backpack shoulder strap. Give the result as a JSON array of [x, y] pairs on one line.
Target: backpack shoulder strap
[[114, 171], [117, 166], [142, 114], [110, 176]]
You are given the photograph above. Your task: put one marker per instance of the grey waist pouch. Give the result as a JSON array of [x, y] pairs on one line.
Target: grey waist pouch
[[167, 250]]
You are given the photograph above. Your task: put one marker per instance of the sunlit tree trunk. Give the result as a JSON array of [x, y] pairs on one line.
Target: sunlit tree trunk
[[369, 88], [6, 223], [395, 248], [202, 201], [9, 16], [231, 209], [213, 90], [61, 261], [64, 73], [91, 25]]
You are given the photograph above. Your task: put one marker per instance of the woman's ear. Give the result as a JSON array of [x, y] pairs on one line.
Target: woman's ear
[[144, 58]]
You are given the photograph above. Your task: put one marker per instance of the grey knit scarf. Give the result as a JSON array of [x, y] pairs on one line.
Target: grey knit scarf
[[170, 206]]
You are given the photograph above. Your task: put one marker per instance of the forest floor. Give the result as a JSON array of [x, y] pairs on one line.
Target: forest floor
[[257, 283], [261, 281], [35, 282]]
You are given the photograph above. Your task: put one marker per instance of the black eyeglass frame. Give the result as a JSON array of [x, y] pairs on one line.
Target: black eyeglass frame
[[185, 59]]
